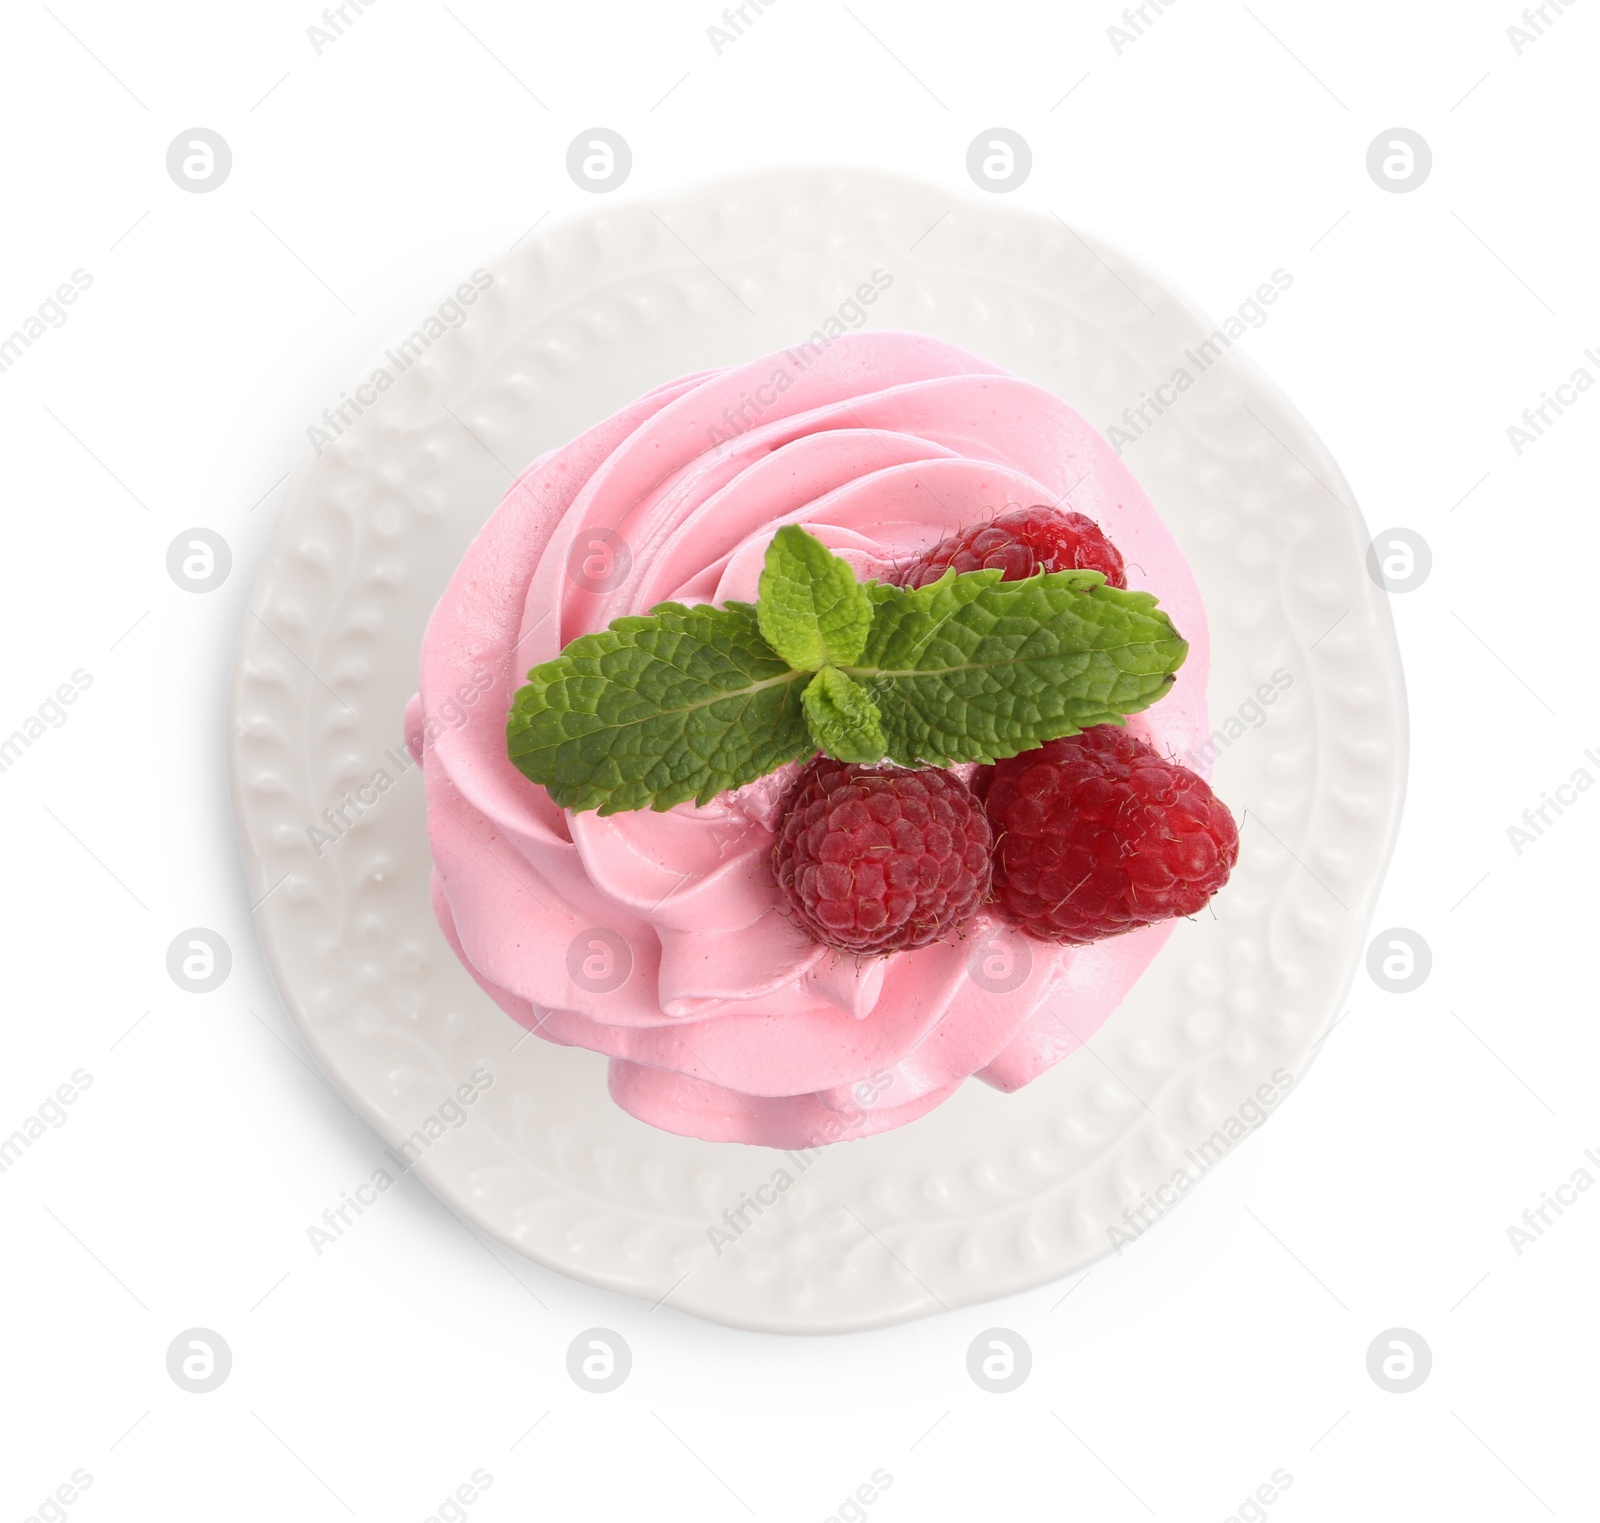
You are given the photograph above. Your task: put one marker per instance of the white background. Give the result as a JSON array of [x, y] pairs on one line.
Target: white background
[[1223, 143]]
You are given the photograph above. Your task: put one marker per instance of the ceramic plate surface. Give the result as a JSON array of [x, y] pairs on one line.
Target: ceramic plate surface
[[990, 1193]]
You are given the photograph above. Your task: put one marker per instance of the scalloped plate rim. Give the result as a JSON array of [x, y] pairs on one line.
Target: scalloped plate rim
[[1017, 1276]]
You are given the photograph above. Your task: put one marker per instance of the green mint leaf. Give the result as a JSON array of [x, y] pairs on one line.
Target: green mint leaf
[[844, 720], [679, 704], [812, 609], [971, 668]]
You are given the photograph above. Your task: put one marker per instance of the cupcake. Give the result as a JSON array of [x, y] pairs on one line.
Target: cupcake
[[801, 738]]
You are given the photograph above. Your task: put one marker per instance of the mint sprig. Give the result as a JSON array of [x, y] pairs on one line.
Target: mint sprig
[[681, 704], [810, 606], [844, 720], [685, 703], [970, 668]]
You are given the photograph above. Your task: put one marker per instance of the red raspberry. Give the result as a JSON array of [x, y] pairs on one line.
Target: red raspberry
[[1020, 542], [1098, 833], [881, 859]]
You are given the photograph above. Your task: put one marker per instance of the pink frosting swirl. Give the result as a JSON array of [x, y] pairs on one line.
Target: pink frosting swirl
[[657, 939]]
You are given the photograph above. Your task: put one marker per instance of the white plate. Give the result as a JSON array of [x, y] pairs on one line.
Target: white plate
[[990, 1193]]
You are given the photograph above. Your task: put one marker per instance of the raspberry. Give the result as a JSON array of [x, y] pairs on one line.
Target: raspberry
[[1020, 542], [881, 859], [1097, 834]]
